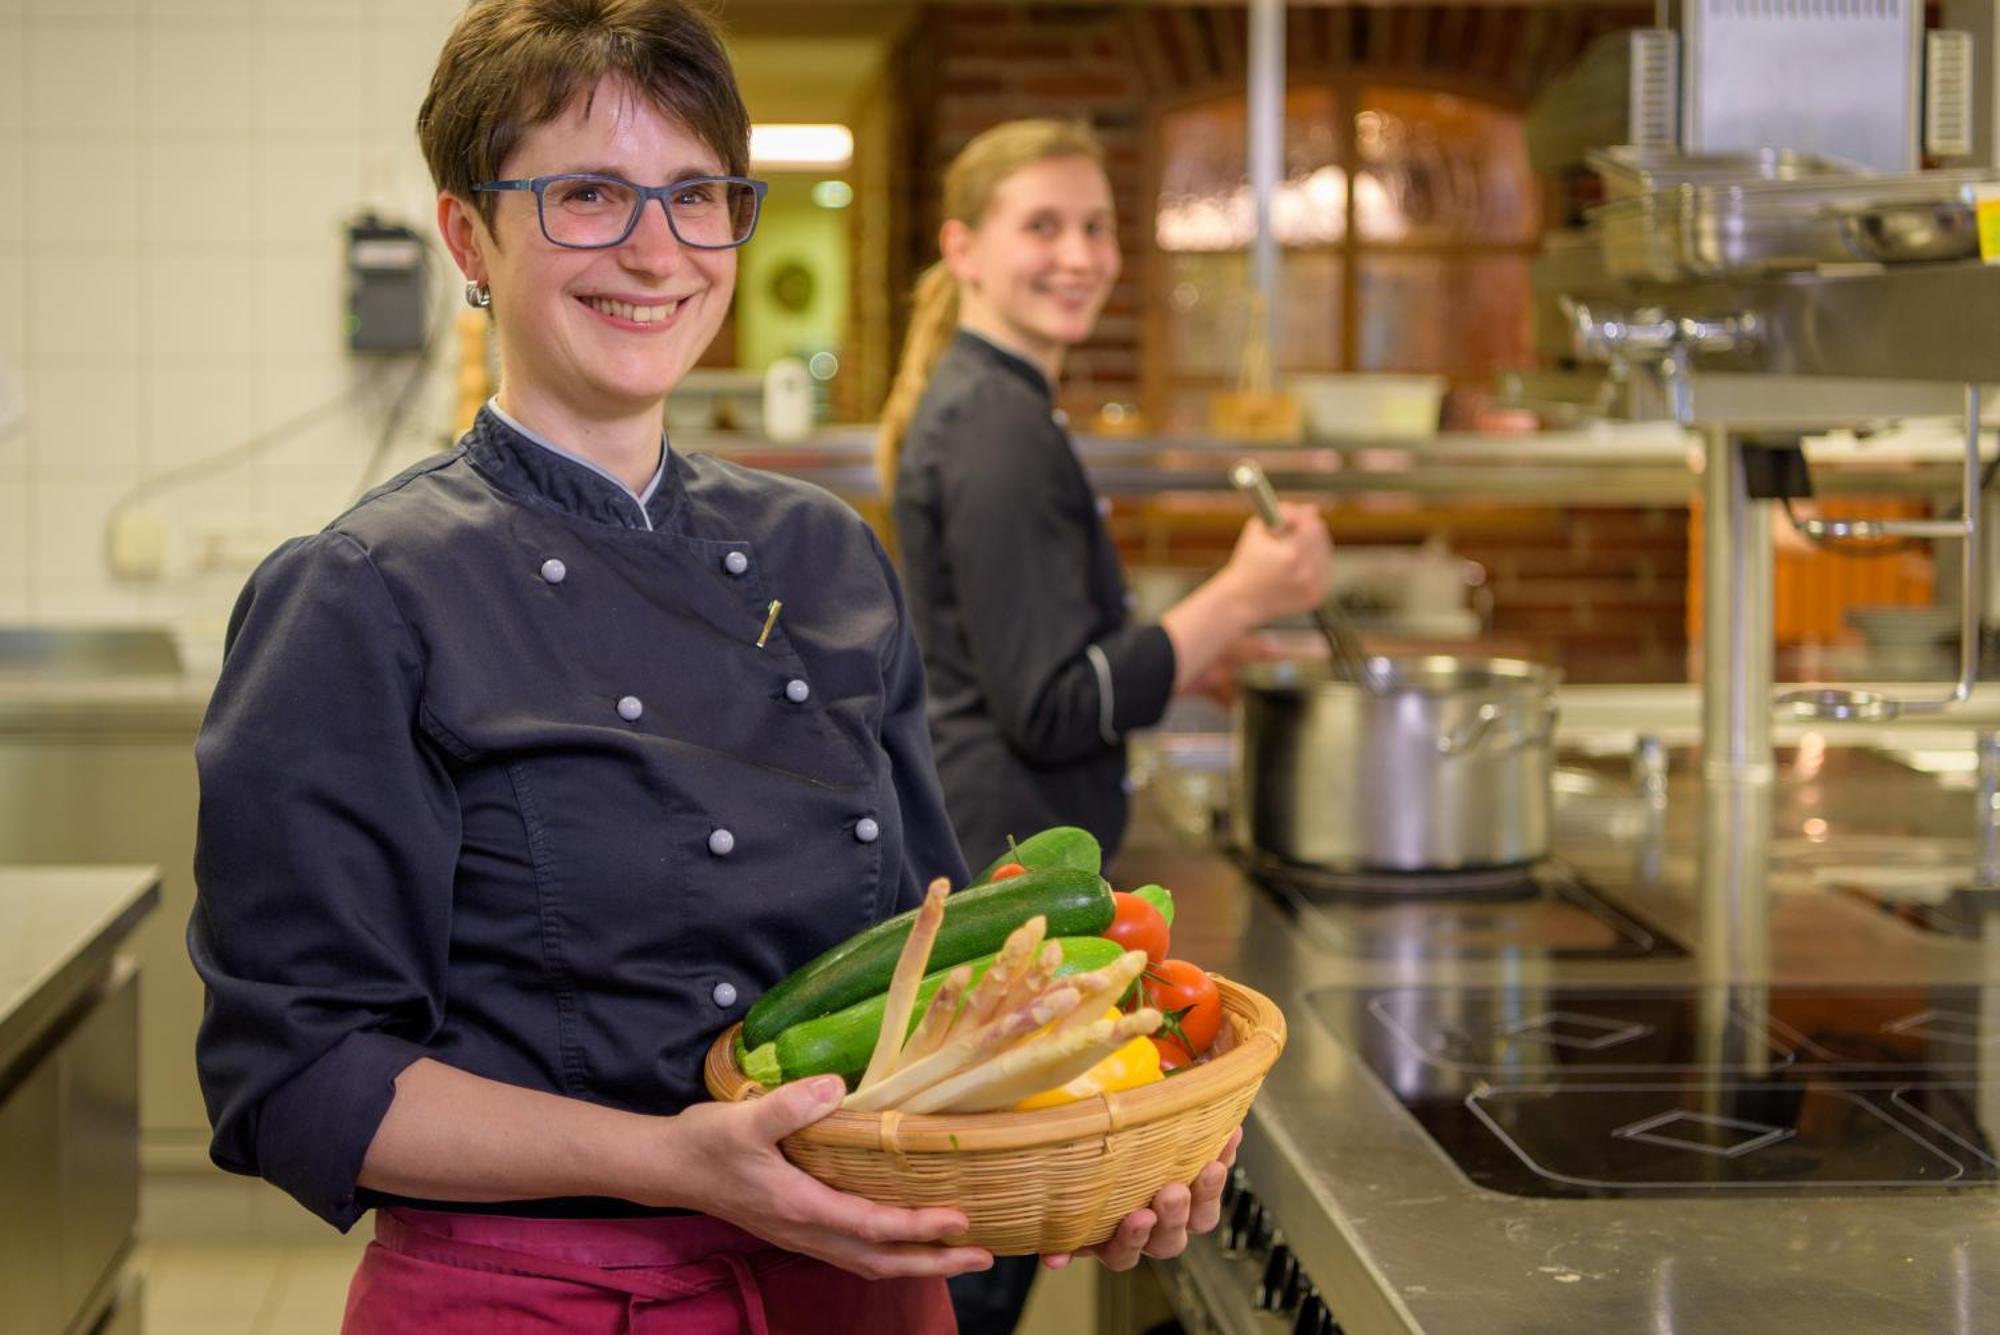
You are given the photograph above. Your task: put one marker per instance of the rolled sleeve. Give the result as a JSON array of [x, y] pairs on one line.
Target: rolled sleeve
[[325, 852]]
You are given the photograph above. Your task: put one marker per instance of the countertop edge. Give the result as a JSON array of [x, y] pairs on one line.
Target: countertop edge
[[77, 963]]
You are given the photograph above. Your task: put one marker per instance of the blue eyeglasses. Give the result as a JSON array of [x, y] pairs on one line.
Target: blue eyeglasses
[[585, 212]]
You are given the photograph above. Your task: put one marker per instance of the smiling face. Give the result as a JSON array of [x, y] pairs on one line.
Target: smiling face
[[1035, 270], [595, 336]]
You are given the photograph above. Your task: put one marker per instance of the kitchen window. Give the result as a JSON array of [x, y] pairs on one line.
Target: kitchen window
[[1422, 266]]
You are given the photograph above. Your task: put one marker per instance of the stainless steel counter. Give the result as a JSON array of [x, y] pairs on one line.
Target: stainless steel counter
[[69, 1096], [1611, 463], [1397, 1239], [59, 927]]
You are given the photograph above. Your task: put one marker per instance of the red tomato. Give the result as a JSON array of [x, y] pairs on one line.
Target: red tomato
[[1172, 1055], [1007, 871], [1137, 925], [1187, 996]]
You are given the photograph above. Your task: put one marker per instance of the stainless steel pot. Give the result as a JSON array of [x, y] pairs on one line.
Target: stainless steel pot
[[1447, 767]]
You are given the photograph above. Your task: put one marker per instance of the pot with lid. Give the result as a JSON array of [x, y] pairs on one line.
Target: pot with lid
[[1445, 765]]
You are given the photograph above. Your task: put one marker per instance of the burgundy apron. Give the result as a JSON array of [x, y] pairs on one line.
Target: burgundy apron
[[435, 1273]]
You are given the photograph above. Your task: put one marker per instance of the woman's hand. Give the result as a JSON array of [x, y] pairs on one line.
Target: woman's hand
[[1162, 1228], [1270, 574], [1284, 571], [726, 1164]]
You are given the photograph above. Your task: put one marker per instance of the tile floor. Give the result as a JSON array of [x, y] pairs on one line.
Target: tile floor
[[227, 1257]]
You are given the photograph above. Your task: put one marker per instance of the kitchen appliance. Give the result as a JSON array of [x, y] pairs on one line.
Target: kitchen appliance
[[1445, 766], [1547, 911], [1838, 78], [1243, 1278], [1723, 1089]]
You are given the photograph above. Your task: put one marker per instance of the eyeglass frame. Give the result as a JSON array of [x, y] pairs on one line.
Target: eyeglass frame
[[538, 186]]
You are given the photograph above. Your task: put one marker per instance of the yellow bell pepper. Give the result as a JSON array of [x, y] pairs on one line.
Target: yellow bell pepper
[[1135, 1064]]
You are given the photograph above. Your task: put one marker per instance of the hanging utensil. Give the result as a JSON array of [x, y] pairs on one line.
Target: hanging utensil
[[1350, 660]]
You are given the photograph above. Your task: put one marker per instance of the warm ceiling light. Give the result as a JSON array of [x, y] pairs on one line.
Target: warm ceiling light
[[800, 147]]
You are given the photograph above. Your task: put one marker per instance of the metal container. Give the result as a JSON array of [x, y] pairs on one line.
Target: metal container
[[1713, 229], [1912, 232], [1446, 768]]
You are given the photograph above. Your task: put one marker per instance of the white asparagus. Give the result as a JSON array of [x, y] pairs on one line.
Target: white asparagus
[[959, 1053], [904, 982], [1034, 980], [1015, 953], [1102, 988], [1029, 1068], [937, 1019]]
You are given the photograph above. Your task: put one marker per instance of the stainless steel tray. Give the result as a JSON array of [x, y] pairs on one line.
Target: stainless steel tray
[[1734, 229], [1631, 169]]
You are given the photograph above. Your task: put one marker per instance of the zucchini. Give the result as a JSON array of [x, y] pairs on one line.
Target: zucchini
[[1160, 898], [1057, 846], [842, 1042], [977, 920]]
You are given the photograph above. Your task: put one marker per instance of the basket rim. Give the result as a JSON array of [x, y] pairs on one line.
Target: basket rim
[[1260, 1037]]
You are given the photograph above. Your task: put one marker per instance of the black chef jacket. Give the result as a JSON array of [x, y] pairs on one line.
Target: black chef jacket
[[497, 773], [1036, 673]]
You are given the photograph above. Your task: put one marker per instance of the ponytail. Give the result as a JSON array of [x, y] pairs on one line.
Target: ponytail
[[968, 184], [933, 318]]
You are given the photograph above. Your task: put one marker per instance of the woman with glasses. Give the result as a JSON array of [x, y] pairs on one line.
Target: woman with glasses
[[529, 773]]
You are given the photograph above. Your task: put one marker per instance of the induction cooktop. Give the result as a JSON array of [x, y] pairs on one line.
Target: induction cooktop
[[1540, 1090], [1543, 910]]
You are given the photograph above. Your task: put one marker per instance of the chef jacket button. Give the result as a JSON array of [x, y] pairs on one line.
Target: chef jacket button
[[721, 843], [1104, 507], [724, 994], [629, 708], [866, 830], [797, 691], [554, 571], [1059, 417], [736, 563]]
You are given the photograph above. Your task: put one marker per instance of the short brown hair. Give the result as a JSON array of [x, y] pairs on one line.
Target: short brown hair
[[510, 65]]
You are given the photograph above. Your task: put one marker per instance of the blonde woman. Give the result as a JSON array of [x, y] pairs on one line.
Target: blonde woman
[[1036, 671]]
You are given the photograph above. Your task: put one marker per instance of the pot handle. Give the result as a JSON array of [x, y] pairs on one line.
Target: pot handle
[[1472, 734]]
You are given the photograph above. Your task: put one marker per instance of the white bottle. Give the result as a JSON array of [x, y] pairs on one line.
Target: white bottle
[[788, 401]]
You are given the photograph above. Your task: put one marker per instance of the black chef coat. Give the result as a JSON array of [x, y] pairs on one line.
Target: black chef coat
[[1036, 672], [497, 773]]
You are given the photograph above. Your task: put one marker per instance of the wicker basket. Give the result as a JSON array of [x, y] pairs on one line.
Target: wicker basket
[[1052, 1180]]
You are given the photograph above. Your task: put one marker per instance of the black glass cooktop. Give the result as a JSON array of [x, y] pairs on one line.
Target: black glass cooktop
[[1776, 1089], [1545, 910]]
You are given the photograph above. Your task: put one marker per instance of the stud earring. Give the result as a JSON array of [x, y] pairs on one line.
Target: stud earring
[[478, 296]]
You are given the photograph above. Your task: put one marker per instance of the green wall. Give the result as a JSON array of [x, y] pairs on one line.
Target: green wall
[[792, 231]]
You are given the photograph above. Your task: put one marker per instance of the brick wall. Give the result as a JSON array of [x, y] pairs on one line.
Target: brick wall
[[964, 68], [1601, 592]]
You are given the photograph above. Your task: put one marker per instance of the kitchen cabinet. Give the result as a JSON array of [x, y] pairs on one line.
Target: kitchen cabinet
[[69, 1096]]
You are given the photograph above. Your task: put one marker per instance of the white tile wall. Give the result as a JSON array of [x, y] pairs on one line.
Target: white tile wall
[[83, 74], [13, 199], [13, 68], [198, 77], [175, 177]]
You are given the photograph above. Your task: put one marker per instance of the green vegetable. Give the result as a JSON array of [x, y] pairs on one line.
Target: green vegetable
[[1160, 898], [1057, 846], [840, 1043], [1075, 901]]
